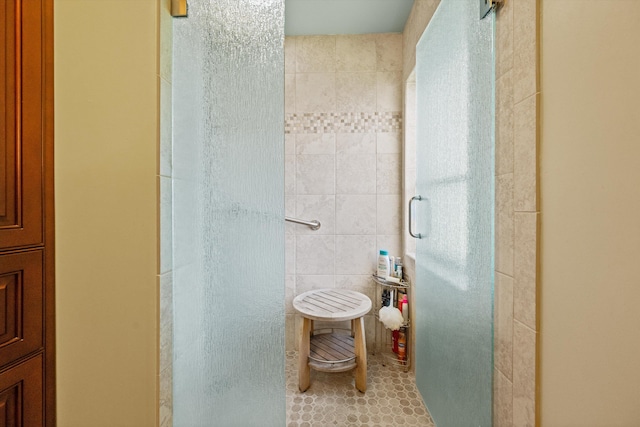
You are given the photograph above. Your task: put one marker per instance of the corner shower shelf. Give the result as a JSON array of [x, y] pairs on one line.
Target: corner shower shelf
[[389, 284], [389, 358]]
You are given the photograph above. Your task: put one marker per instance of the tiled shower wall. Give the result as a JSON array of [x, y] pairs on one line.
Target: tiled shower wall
[[343, 163], [165, 183], [517, 214]]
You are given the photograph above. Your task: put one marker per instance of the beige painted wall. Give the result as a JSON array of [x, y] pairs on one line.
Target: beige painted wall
[[590, 176], [106, 211]]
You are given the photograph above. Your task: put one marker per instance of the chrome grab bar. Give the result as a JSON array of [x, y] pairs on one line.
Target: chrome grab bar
[[314, 225], [414, 198]]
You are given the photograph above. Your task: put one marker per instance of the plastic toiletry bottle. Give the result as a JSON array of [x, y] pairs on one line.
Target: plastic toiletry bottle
[[402, 345], [398, 268], [383, 264], [405, 308]]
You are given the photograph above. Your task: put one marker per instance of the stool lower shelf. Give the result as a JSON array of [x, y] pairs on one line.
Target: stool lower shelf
[[332, 352]]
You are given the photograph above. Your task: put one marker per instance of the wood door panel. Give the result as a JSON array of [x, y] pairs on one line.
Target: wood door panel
[[27, 305], [21, 103], [21, 397], [21, 312]]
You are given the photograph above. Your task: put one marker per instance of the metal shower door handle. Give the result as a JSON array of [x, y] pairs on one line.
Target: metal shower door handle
[[414, 198]]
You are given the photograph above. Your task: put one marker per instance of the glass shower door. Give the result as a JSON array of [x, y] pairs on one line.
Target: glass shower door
[[455, 177], [228, 217]]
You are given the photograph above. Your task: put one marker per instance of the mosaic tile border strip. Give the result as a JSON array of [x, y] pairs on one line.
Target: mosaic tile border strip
[[343, 122]]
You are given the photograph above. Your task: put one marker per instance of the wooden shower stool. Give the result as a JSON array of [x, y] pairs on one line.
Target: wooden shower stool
[[332, 352]]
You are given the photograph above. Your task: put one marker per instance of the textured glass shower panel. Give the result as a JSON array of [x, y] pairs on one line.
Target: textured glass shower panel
[[228, 95], [455, 149]]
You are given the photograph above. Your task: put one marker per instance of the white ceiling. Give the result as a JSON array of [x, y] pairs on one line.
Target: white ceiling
[[315, 17]]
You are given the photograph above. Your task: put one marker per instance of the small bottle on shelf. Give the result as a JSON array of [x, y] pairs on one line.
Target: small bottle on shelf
[[405, 308], [398, 268], [402, 345], [383, 264]]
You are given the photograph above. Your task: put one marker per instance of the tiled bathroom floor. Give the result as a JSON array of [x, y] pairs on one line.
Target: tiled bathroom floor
[[332, 400]]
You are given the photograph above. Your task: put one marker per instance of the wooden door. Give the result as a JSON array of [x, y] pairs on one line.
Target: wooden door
[[27, 380]]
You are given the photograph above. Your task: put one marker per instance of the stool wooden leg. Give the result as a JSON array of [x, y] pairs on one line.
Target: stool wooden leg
[[303, 362], [360, 344]]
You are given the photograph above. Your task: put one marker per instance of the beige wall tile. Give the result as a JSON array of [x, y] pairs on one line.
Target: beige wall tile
[[290, 55], [166, 137], [290, 143], [389, 142], [290, 210], [356, 53], [315, 54], [504, 124], [289, 93], [166, 224], [165, 396], [315, 92], [290, 174], [411, 108], [503, 323], [290, 254], [502, 400], [525, 48], [355, 214], [504, 217], [389, 179], [315, 174], [166, 41], [392, 243], [389, 214], [389, 52], [356, 92], [314, 255], [305, 283], [166, 322], [356, 174], [319, 207], [355, 143], [524, 375], [353, 255], [525, 161], [389, 91], [316, 143], [525, 268], [504, 38]]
